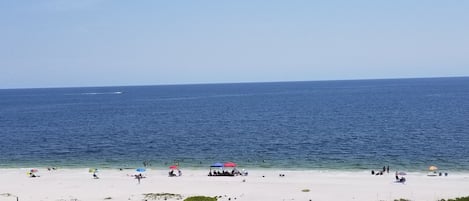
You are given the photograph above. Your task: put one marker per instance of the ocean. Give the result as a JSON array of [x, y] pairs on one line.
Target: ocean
[[319, 125]]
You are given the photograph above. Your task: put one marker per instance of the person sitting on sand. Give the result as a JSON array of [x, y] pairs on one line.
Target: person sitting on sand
[[244, 172], [95, 176], [402, 179], [171, 173]]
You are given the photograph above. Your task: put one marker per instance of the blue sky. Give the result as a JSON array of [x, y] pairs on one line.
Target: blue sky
[[62, 43]]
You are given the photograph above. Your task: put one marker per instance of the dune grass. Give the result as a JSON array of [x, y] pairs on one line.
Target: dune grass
[[200, 198], [457, 199]]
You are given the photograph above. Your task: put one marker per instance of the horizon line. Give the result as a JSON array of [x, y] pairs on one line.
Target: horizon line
[[241, 82]]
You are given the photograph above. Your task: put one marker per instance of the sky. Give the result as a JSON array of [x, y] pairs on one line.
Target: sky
[[70, 43]]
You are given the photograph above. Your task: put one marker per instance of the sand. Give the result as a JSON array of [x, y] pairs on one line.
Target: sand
[[259, 185]]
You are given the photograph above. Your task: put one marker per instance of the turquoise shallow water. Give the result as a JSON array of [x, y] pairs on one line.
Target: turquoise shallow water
[[341, 125]]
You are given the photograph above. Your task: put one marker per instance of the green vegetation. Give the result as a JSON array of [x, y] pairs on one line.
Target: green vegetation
[[457, 199], [305, 190], [200, 198]]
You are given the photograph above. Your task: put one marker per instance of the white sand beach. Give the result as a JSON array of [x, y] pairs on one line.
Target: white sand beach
[[259, 185]]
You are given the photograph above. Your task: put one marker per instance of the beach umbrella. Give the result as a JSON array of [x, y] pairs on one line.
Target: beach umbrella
[[402, 173], [173, 167], [140, 170], [229, 164], [432, 168], [217, 165]]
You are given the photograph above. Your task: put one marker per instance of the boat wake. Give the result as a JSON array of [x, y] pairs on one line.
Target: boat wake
[[99, 93], [102, 93]]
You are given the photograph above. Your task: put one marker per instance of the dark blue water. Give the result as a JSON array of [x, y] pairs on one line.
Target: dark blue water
[[408, 123]]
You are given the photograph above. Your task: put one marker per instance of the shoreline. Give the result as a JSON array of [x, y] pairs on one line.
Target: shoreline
[[164, 168], [258, 171], [270, 165], [260, 185]]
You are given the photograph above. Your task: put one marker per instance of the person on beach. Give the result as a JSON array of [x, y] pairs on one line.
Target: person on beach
[[138, 177], [387, 169], [171, 173], [146, 163], [402, 180]]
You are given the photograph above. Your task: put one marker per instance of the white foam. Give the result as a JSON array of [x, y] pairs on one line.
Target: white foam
[[102, 93]]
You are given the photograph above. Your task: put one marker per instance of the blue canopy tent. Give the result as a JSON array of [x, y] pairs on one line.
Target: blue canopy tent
[[215, 165]]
